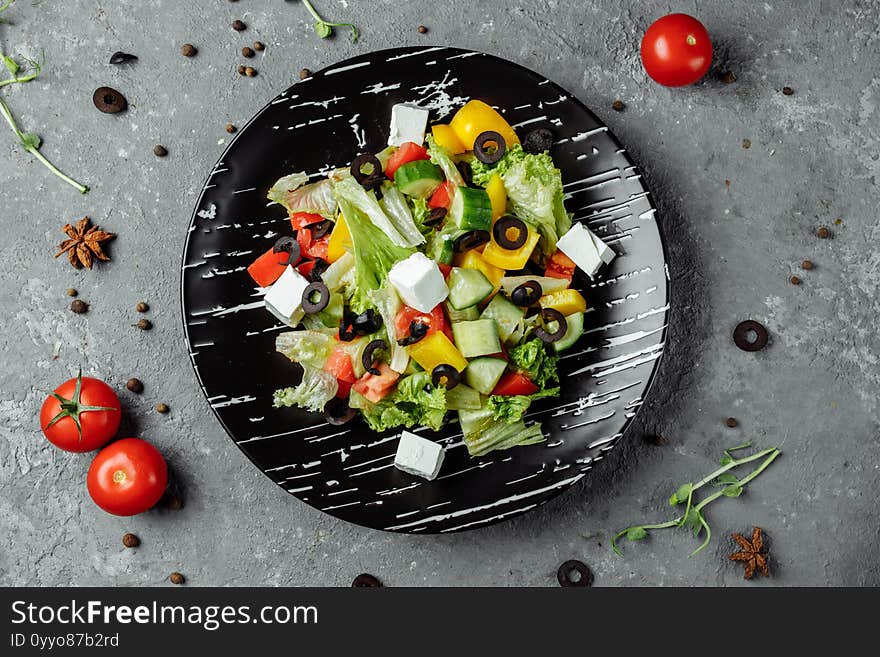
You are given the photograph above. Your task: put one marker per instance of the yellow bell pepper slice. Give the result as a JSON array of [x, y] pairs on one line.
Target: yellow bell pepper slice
[[445, 136], [436, 349], [566, 301], [340, 238], [473, 260], [476, 117], [497, 196], [511, 258]]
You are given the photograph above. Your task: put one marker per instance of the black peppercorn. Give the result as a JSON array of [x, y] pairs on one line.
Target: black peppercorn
[[159, 150], [305, 73], [250, 71], [142, 307], [162, 408], [728, 77], [144, 324], [807, 264], [241, 69], [618, 105], [135, 385], [230, 128], [247, 52], [731, 422], [130, 541], [823, 233], [188, 50], [71, 292], [423, 29], [795, 280], [259, 46], [238, 26], [788, 91], [176, 578], [79, 306], [747, 143]]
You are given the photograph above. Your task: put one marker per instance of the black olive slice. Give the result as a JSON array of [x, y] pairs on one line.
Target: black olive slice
[[552, 315], [466, 172], [337, 411], [366, 581], [320, 228], [309, 306], [470, 240], [288, 245], [435, 216], [347, 331], [574, 573], [367, 357], [366, 168], [367, 322], [527, 294], [537, 141], [506, 224], [748, 329], [489, 147], [109, 100], [318, 270], [445, 375], [417, 331], [120, 57]]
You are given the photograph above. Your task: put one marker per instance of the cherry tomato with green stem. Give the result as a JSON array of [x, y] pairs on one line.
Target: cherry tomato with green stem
[[81, 415]]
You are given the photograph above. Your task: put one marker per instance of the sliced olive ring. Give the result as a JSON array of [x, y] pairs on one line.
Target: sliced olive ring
[[318, 288], [470, 240], [366, 581], [745, 330], [366, 167], [367, 322], [109, 101], [288, 245], [337, 411], [527, 294], [506, 224], [318, 270], [466, 172], [320, 228], [367, 357], [435, 216], [489, 147], [537, 141], [445, 375], [417, 331], [347, 332], [552, 315], [565, 574]]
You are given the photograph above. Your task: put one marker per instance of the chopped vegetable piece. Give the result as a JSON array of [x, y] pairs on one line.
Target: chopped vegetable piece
[[442, 198], [511, 259], [311, 247], [441, 157], [299, 220], [435, 321], [414, 402], [296, 196], [375, 387], [437, 349], [490, 435], [311, 348], [566, 301], [388, 303], [408, 152], [268, 268], [560, 266], [419, 178], [474, 260], [531, 358], [514, 383], [397, 209], [548, 285], [316, 389], [339, 242], [445, 137], [467, 287], [476, 117], [476, 338], [511, 408], [471, 209], [349, 191], [497, 195]]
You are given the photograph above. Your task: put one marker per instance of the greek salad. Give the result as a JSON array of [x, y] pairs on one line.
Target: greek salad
[[429, 281]]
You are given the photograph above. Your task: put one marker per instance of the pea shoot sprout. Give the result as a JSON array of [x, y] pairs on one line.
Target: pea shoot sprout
[[324, 29]]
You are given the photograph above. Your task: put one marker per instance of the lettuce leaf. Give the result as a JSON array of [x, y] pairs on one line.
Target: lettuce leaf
[[420, 213], [293, 193], [414, 402], [313, 392], [534, 191], [308, 348], [397, 209], [349, 189], [387, 302], [374, 254], [441, 157], [531, 358], [511, 408], [502, 435]]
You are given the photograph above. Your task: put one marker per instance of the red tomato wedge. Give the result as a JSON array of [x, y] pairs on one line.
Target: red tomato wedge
[[300, 220], [560, 266], [375, 388], [442, 198], [435, 320], [514, 383], [266, 269], [309, 247], [408, 152], [444, 269], [305, 268], [339, 365]]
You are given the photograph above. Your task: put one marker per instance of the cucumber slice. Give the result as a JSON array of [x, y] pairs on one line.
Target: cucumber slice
[[575, 330], [467, 287], [463, 398], [418, 178], [446, 252], [472, 422], [471, 209], [476, 338], [506, 315], [482, 374], [466, 315]]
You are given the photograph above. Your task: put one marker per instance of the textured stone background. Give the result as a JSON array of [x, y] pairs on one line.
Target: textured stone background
[[814, 160]]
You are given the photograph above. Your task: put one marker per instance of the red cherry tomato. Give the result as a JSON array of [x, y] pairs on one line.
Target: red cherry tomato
[[127, 477], [514, 383], [442, 198], [676, 50], [310, 247], [81, 415], [408, 152], [435, 320]]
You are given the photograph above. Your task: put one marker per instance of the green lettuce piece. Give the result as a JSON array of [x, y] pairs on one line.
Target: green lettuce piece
[[308, 348], [531, 358], [420, 213], [502, 435], [374, 255], [387, 302], [415, 402], [316, 389], [511, 408], [441, 157], [397, 209], [534, 191], [351, 191], [293, 193]]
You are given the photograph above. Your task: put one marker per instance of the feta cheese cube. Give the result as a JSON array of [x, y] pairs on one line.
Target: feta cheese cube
[[419, 282], [408, 123], [418, 456], [587, 251], [284, 298]]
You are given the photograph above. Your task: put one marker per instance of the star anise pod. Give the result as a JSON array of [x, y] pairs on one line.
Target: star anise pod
[[753, 553], [84, 244]]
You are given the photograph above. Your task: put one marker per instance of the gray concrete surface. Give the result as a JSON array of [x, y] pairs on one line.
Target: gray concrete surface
[[814, 160]]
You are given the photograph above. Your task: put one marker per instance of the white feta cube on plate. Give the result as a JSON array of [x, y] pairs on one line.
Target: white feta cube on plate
[[419, 282], [587, 251], [418, 456], [408, 123], [284, 298]]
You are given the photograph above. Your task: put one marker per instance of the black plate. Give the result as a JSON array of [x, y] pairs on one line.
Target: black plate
[[323, 122]]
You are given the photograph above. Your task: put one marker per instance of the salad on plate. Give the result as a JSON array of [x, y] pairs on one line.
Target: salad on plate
[[431, 281]]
